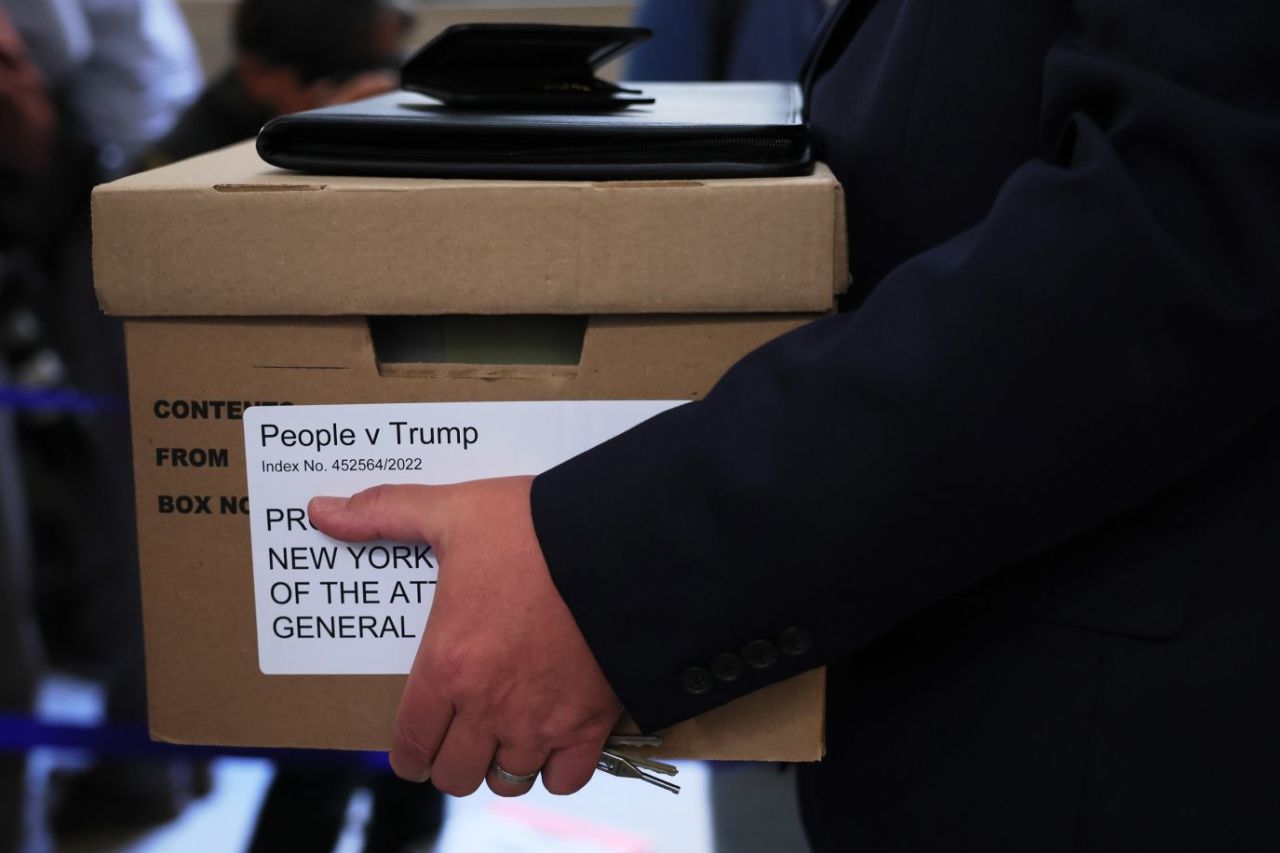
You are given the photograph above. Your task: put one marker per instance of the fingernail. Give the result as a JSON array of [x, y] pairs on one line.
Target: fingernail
[[326, 504], [410, 774]]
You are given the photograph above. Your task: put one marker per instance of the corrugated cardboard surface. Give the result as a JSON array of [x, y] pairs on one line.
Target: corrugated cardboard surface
[[678, 280], [224, 234], [204, 684]]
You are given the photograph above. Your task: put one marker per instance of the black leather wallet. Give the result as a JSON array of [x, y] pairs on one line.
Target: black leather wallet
[[511, 101], [529, 66]]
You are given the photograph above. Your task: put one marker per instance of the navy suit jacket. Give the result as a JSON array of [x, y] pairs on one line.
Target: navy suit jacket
[[1024, 494]]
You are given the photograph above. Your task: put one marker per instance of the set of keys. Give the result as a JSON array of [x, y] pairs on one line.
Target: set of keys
[[625, 766]]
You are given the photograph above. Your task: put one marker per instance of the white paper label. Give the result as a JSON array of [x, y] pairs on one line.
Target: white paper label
[[331, 608]]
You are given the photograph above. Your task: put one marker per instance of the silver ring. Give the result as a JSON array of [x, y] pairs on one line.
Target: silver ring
[[513, 779]]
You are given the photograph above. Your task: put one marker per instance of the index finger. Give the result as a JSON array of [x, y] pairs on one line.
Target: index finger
[[402, 513]]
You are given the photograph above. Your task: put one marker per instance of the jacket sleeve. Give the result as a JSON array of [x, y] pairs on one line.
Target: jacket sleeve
[[1109, 327]]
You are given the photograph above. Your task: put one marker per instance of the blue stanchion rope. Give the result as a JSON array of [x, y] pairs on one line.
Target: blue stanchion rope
[[22, 733], [58, 400]]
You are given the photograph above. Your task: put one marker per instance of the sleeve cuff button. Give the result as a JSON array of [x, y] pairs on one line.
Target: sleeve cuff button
[[695, 681], [795, 641], [726, 667], [760, 654]]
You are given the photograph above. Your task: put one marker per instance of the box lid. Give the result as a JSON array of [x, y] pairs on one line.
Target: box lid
[[225, 234]]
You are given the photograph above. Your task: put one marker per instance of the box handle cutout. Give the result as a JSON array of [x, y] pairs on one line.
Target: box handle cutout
[[517, 339]]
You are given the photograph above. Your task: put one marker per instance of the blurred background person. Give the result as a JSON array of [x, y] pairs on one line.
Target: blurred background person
[[124, 69], [725, 39], [120, 72], [291, 55], [27, 127], [27, 117]]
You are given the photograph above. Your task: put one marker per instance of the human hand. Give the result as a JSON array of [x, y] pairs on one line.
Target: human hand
[[503, 677]]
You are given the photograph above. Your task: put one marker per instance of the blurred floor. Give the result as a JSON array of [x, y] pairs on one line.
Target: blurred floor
[[608, 816]]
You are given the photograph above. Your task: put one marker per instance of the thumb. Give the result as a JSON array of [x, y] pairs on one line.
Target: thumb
[[409, 513]]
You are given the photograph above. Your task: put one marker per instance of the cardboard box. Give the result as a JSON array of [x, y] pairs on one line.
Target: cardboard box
[[241, 284]]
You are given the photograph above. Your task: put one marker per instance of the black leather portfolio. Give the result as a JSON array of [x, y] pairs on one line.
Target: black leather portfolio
[[523, 101]]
